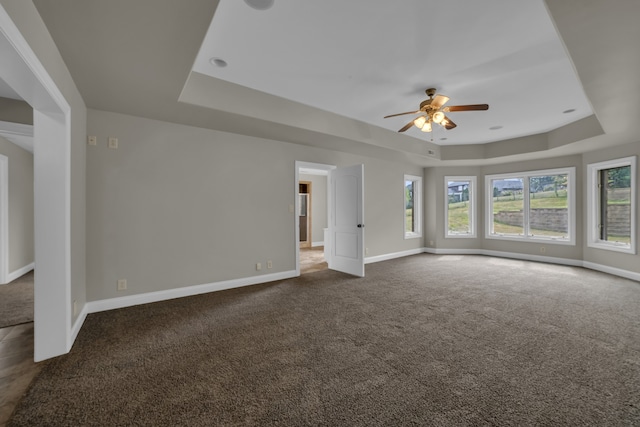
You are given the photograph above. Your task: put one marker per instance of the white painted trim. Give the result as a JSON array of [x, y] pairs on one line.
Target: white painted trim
[[612, 270], [551, 260], [19, 272], [525, 175], [18, 133], [131, 300], [511, 255], [537, 258], [473, 183], [24, 73], [385, 257], [77, 325], [4, 219], [417, 207], [593, 199], [316, 244], [307, 166]]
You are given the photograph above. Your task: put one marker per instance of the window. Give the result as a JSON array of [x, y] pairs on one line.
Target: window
[[412, 206], [460, 206], [534, 206], [611, 201]]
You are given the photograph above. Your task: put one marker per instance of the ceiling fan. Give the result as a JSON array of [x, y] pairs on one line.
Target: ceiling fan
[[432, 111]]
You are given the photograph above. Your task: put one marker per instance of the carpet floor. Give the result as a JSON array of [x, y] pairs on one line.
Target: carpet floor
[[422, 340], [16, 301]]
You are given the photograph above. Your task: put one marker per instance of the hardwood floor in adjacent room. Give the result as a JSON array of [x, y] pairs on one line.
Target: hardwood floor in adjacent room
[[312, 259], [17, 368]]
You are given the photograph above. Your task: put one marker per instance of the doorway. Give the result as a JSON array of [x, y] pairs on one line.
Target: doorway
[[23, 72], [312, 213], [304, 214]]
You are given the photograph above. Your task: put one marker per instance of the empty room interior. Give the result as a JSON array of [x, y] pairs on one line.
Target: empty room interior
[[278, 212]]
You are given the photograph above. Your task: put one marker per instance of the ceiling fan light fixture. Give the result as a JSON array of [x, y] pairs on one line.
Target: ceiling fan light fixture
[[420, 121], [438, 116], [426, 127]]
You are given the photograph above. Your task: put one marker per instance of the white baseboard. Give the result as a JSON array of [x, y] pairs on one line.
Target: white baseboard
[[131, 300], [551, 260], [77, 325], [19, 272], [612, 270], [385, 257], [316, 244], [537, 258]]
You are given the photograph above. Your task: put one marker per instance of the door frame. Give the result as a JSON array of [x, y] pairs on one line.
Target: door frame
[[22, 70], [305, 165], [4, 219], [309, 242]]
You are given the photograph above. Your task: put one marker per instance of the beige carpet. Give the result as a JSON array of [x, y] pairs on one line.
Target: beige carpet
[[16, 301], [423, 340]]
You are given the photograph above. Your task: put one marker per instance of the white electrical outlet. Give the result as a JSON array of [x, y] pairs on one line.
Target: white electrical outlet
[[258, 266], [113, 142], [75, 307], [92, 140], [543, 249], [269, 264], [366, 251], [122, 284], [430, 242]]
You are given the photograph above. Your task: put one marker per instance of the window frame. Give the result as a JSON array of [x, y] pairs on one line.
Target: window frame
[[417, 206], [473, 182], [525, 175], [593, 205]]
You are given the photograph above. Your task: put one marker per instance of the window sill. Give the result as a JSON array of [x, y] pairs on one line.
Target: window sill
[[608, 246], [412, 236], [536, 239], [460, 236]]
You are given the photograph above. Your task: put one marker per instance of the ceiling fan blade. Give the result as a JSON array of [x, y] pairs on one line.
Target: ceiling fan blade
[[439, 101], [402, 114], [448, 123], [473, 107], [407, 126]]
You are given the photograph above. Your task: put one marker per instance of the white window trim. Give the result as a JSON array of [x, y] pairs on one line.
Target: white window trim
[[593, 236], [570, 171], [472, 214], [417, 207]]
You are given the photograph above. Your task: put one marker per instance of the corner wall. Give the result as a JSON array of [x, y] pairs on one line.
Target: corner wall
[[614, 262]]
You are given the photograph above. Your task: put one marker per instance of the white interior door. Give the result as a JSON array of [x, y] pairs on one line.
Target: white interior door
[[346, 222]]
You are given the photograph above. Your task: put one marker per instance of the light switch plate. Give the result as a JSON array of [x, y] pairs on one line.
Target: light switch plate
[[113, 142]]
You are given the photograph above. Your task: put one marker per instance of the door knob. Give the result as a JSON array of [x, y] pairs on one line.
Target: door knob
[[360, 225]]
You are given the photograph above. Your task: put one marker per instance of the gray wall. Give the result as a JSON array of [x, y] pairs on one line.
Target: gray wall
[[175, 205], [12, 110], [318, 205], [28, 20], [21, 238]]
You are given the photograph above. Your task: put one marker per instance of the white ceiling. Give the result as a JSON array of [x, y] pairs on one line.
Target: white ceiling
[[362, 59], [7, 92]]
